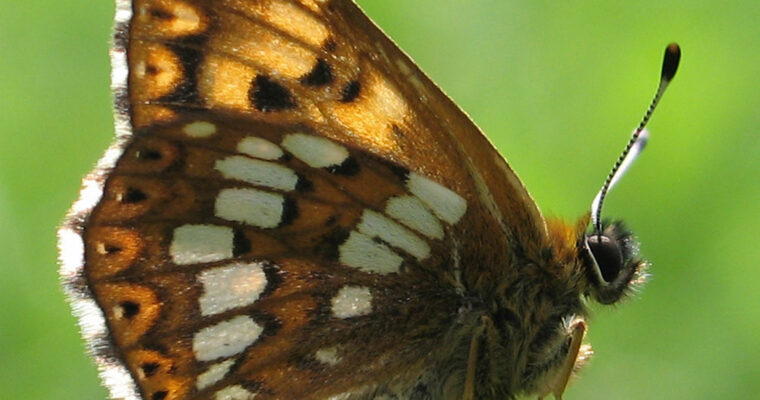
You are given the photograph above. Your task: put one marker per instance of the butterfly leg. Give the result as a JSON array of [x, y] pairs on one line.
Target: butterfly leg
[[576, 332], [472, 360]]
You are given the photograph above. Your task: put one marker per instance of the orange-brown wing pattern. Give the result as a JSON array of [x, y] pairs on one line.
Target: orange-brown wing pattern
[[224, 261], [326, 65], [290, 202]]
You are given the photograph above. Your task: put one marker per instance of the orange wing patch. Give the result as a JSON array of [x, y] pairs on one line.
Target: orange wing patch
[[168, 19], [373, 112], [287, 17]]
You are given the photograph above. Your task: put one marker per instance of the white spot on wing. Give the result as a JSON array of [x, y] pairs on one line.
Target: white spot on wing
[[193, 244], [231, 286], [315, 151], [352, 301], [225, 338], [446, 204], [213, 374], [360, 251], [328, 355], [199, 129], [118, 312], [259, 148], [257, 172], [236, 392], [374, 224], [410, 211], [251, 206]]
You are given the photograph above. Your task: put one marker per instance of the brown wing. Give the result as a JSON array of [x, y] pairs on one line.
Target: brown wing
[[436, 126], [338, 73], [289, 212]]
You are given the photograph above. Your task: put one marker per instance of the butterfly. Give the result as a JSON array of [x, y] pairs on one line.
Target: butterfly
[[293, 210]]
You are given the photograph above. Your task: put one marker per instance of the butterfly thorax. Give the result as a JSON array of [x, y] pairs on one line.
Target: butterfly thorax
[[519, 320]]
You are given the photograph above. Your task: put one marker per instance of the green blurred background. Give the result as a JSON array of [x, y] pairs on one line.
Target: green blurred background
[[557, 85]]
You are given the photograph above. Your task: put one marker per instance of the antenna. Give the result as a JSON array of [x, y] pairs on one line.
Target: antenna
[[639, 138]]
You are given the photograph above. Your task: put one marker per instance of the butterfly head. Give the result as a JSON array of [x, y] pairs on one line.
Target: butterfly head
[[610, 259], [606, 266], [609, 253]]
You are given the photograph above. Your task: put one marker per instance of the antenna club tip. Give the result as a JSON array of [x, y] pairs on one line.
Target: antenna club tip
[[670, 61]]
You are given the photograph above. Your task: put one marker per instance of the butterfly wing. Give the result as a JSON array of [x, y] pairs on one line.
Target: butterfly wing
[[436, 127], [337, 71], [290, 203]]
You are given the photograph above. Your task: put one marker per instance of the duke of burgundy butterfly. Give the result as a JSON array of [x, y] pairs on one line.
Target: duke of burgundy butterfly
[[293, 210]]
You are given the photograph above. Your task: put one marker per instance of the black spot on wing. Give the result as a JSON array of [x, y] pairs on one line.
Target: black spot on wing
[[304, 185], [129, 309], [112, 249], [320, 75], [274, 273], [400, 171], [149, 369], [267, 95], [350, 92], [160, 395], [269, 322], [255, 387], [349, 166], [133, 195], [240, 243], [328, 246], [147, 154], [289, 211], [190, 55], [286, 157]]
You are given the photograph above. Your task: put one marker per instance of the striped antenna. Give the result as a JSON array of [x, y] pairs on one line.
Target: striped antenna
[[638, 139]]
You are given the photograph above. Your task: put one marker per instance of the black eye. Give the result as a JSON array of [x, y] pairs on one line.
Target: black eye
[[611, 262], [607, 254]]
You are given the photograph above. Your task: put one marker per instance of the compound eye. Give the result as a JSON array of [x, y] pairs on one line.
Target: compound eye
[[607, 254]]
